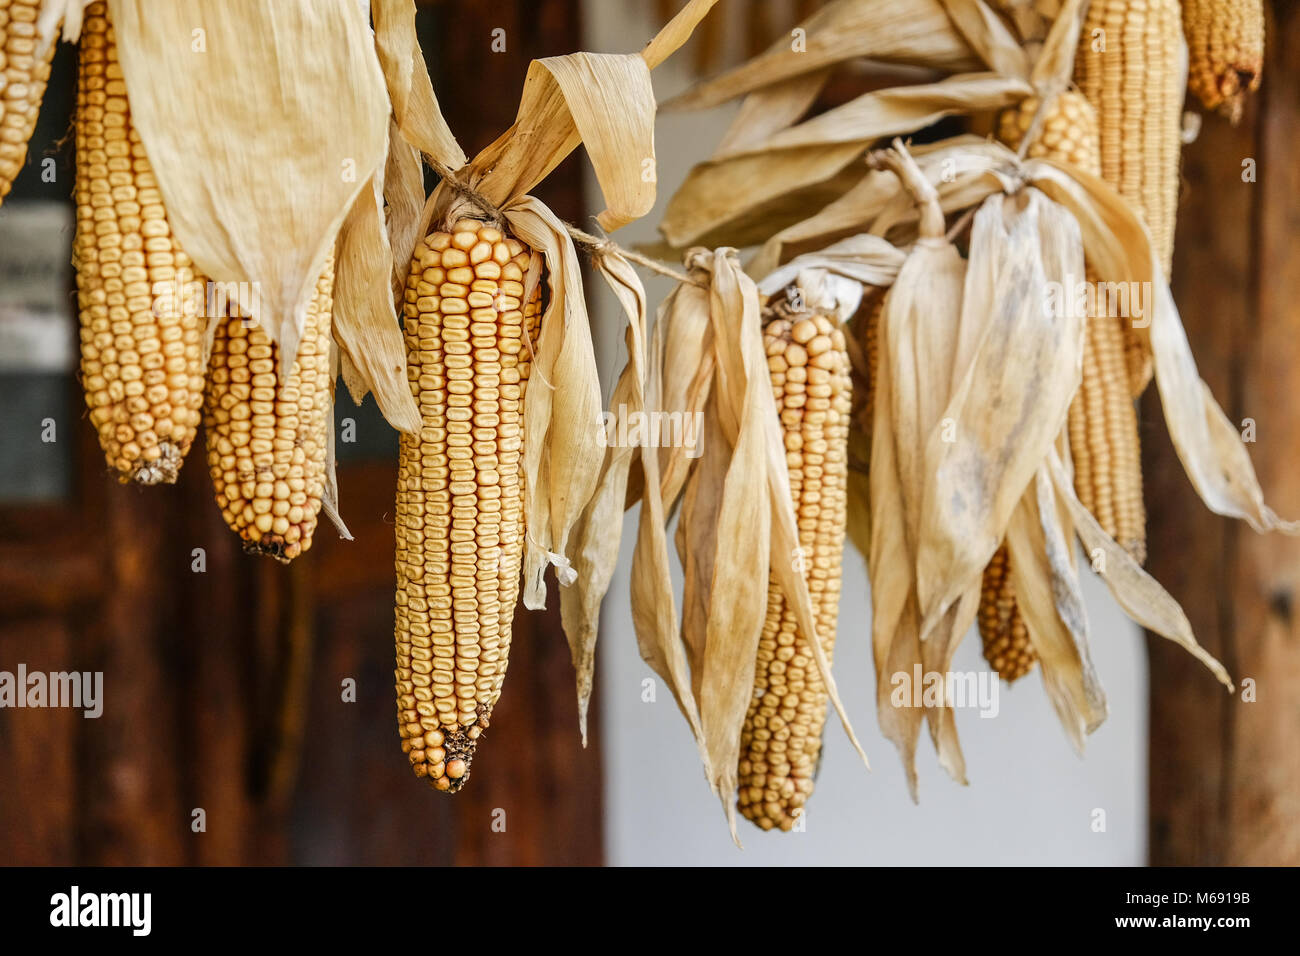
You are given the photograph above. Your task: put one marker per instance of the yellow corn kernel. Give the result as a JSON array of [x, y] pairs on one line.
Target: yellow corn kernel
[[780, 742], [1104, 439], [141, 302], [23, 75], [470, 329], [267, 437], [1225, 51], [1007, 647]]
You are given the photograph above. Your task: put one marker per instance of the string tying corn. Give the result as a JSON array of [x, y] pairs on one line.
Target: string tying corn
[[141, 330], [267, 438], [460, 517], [23, 75], [781, 739]]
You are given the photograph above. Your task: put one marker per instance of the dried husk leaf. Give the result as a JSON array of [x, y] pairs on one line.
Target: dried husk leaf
[[988, 36], [1010, 401], [365, 317], [330, 493], [919, 328], [912, 32], [724, 189], [654, 606], [404, 197], [261, 209], [599, 529], [603, 100], [859, 260], [1048, 594], [563, 446], [1139, 594], [766, 112], [415, 106], [69, 13]]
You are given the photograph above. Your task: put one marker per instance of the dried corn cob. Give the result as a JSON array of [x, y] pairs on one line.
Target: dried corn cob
[[460, 517], [268, 439], [23, 76], [781, 739], [1067, 134], [1007, 647], [141, 323], [1225, 51], [1104, 438], [1129, 66]]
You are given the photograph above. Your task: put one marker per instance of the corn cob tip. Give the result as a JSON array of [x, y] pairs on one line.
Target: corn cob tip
[[1002, 627], [442, 755], [163, 470]]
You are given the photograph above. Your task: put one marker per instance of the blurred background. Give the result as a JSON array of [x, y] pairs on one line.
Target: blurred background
[[224, 688]]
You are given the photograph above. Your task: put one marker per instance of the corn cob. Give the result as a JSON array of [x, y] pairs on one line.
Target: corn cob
[[268, 439], [23, 76], [1104, 438], [141, 330], [1225, 51], [460, 517], [1068, 133], [1131, 72], [1007, 647], [781, 739]]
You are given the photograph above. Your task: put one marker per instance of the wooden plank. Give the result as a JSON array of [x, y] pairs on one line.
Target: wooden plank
[[38, 790], [1225, 774]]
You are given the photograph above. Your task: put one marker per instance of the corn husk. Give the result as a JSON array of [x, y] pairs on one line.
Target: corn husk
[[265, 209], [720, 193], [737, 523], [910, 32], [599, 529]]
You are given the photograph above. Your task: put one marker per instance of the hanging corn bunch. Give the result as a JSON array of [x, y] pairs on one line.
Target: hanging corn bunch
[[501, 480], [24, 71]]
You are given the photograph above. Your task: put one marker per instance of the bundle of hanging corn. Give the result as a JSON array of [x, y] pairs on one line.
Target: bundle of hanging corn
[[991, 425]]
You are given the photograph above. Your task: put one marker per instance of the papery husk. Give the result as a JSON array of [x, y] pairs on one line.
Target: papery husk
[[1139, 594], [1012, 394], [365, 319], [330, 492], [410, 91], [1119, 248], [848, 215], [68, 14], [563, 439], [858, 260], [653, 602], [599, 528], [728, 187], [404, 198], [263, 209], [919, 335], [1039, 543], [766, 112], [911, 32], [604, 101], [988, 36]]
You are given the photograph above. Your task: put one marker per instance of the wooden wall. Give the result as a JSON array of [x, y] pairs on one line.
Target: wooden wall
[[1224, 772]]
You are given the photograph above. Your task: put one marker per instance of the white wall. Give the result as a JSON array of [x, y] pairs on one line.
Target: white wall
[[1031, 799]]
